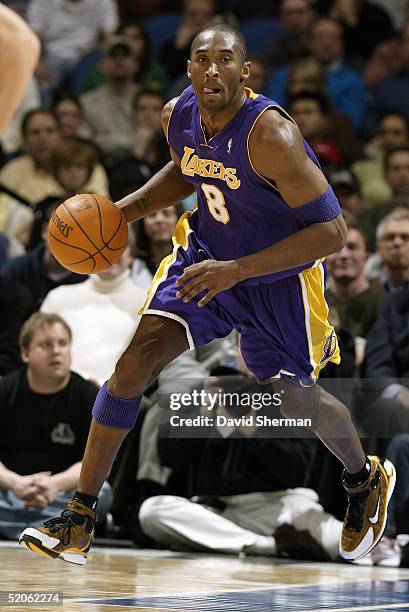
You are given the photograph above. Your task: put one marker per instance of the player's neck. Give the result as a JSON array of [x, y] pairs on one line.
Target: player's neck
[[214, 122]]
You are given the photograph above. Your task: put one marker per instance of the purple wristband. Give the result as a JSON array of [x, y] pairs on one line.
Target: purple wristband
[[115, 411], [324, 208]]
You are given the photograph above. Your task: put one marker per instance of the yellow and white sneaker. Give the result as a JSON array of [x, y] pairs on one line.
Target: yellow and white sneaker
[[366, 515], [67, 537]]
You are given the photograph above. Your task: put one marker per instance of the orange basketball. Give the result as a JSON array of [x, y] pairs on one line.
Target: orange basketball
[[87, 233]]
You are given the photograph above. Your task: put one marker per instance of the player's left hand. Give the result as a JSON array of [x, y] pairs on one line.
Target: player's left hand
[[211, 276]]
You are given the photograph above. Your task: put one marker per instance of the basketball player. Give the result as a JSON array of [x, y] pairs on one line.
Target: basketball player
[[19, 52], [249, 258]]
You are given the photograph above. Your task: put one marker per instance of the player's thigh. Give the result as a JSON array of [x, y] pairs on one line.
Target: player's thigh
[[157, 341]]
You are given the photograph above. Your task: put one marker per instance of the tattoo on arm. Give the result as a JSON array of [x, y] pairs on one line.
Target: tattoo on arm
[[143, 204]]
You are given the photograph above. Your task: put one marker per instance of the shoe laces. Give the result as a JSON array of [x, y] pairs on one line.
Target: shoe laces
[[63, 524], [355, 511]]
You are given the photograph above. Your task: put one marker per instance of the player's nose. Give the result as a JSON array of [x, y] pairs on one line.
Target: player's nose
[[212, 69]]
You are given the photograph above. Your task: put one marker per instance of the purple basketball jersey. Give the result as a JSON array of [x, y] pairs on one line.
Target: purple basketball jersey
[[239, 212]]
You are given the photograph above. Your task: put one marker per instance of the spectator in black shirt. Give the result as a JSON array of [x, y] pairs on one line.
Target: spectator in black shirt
[[45, 413]]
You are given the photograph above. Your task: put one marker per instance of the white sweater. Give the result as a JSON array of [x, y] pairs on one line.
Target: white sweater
[[103, 316]]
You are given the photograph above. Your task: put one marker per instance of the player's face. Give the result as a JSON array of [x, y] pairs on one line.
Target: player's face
[[393, 246], [49, 353], [348, 264], [217, 71], [160, 225]]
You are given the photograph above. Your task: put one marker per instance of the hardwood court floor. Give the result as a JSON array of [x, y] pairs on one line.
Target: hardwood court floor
[[161, 581]]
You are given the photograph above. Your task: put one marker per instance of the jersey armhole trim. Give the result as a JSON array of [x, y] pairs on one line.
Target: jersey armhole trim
[[287, 116], [170, 117]]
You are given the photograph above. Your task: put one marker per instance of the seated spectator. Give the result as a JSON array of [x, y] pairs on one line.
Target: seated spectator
[[126, 176], [258, 78], [73, 165], [296, 18], [16, 219], [390, 265], [396, 171], [149, 143], [317, 123], [365, 25], [108, 109], [39, 271], [390, 95], [45, 412], [196, 15], [68, 113], [393, 132], [16, 305], [347, 190], [381, 403], [385, 60], [68, 30], [153, 243], [30, 176], [150, 74], [102, 313], [349, 291], [345, 85]]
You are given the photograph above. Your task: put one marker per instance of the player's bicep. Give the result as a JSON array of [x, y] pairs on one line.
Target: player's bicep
[[280, 156]]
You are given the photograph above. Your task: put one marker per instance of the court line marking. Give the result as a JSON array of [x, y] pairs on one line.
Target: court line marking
[[232, 591], [384, 606]]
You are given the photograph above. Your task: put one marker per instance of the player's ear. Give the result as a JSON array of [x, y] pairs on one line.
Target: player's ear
[[245, 72], [189, 74]]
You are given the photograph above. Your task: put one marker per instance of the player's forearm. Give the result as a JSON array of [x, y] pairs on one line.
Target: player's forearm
[[307, 245], [165, 188], [68, 479], [19, 52]]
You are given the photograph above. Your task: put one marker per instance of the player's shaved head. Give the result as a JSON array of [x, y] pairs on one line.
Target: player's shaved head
[[222, 28]]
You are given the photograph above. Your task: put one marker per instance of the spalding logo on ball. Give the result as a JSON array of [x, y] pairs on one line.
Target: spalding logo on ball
[[87, 233]]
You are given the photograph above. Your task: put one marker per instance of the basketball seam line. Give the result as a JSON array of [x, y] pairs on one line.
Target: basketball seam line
[[88, 238]]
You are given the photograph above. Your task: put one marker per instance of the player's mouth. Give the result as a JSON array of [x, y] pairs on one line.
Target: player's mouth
[[212, 92]]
